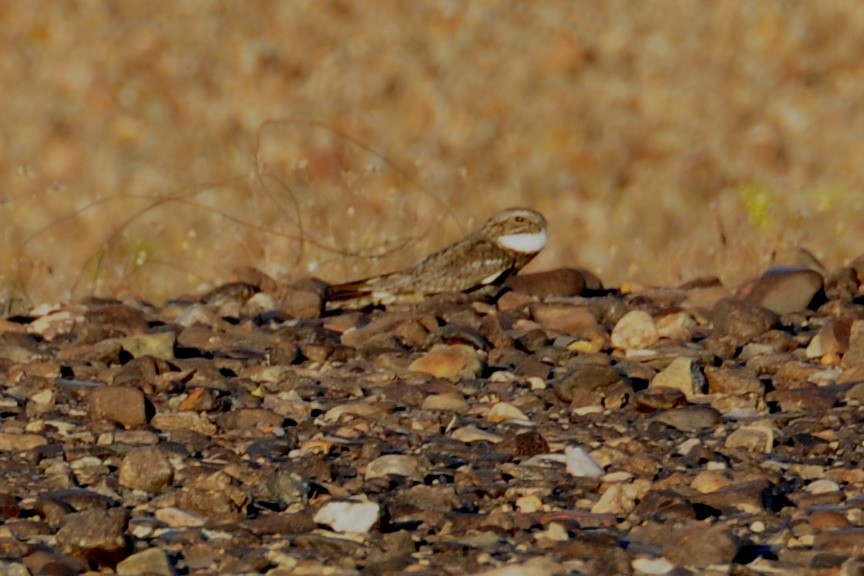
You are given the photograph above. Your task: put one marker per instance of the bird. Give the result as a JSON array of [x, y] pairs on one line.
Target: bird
[[499, 248]]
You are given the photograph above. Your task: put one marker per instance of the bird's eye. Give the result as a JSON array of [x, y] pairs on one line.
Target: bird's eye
[[520, 219]]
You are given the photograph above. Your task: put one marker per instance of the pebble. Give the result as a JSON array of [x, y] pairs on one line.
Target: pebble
[[854, 356], [563, 318], [302, 299], [93, 531], [146, 469], [684, 374], [149, 562], [122, 404], [580, 464], [177, 518], [450, 362], [452, 402], [357, 517], [10, 442], [561, 282], [753, 438], [395, 465], [699, 545], [676, 326], [741, 319], [832, 338], [823, 486], [732, 380], [634, 331], [689, 418], [504, 411], [785, 290], [471, 433]]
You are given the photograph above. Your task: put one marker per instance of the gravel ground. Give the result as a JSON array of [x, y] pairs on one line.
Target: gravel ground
[[553, 428], [701, 417]]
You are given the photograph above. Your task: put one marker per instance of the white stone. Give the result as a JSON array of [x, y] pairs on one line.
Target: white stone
[[345, 516], [580, 463]]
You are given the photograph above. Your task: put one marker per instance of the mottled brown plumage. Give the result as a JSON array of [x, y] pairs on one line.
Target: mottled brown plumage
[[501, 247]]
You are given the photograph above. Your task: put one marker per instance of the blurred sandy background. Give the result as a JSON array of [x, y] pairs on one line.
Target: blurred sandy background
[[152, 147]]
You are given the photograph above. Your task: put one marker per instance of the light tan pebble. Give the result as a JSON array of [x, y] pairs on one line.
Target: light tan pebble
[[653, 566], [684, 374], [504, 411], [618, 499], [823, 486], [159, 345], [677, 325], [152, 561], [450, 362], [55, 324], [753, 438], [471, 433], [685, 447], [10, 442], [528, 503], [555, 532], [709, 481], [346, 516], [635, 330], [394, 465], [832, 338], [446, 403], [530, 568], [177, 518], [199, 423]]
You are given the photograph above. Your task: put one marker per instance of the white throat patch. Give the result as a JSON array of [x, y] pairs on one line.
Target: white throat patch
[[523, 243]]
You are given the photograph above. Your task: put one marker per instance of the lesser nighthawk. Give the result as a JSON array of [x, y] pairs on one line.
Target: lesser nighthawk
[[501, 247]]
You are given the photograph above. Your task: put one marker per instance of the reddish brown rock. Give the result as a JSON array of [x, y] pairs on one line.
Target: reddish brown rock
[[560, 282], [124, 405]]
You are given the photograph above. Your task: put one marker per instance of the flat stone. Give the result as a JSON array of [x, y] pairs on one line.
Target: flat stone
[[728, 379], [561, 282], [784, 290], [177, 518], [635, 330], [10, 442], [684, 374], [302, 299], [741, 319], [199, 423], [809, 398], [146, 469], [832, 338], [122, 404], [689, 418], [450, 362], [395, 465], [854, 356], [452, 402], [157, 345], [754, 438], [93, 530], [564, 318], [676, 325], [701, 545], [150, 562], [357, 517], [579, 463]]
